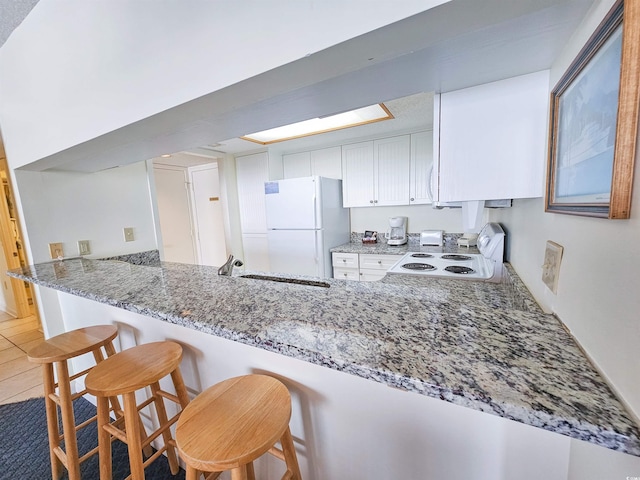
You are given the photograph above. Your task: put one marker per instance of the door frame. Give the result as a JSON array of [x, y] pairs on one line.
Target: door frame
[[10, 249]]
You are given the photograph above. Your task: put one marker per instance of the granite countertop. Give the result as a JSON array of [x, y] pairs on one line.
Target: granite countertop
[[477, 344], [413, 245]]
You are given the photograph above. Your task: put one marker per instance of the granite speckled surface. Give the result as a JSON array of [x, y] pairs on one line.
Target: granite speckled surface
[[473, 344]]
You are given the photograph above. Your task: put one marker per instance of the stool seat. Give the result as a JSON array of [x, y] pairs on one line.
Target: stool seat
[[72, 344], [133, 369], [234, 422]]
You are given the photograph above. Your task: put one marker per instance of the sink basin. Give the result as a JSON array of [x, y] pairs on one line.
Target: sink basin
[[296, 281]]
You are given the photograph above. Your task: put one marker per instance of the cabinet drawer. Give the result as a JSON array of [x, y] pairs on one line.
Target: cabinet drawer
[[346, 273], [371, 275], [345, 260], [378, 262]]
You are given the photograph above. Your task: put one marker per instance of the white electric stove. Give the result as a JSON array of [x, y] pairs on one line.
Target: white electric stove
[[485, 266]]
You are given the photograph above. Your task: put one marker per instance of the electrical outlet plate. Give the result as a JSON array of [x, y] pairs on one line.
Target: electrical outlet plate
[[83, 247], [551, 265], [55, 250], [128, 234]]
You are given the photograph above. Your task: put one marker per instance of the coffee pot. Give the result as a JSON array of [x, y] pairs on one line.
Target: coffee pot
[[397, 234]]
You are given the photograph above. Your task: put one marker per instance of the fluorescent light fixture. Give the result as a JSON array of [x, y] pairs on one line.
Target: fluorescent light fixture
[[361, 116]]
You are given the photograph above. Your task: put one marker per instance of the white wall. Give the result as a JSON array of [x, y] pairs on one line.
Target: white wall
[[67, 207], [597, 294], [118, 78], [420, 217]]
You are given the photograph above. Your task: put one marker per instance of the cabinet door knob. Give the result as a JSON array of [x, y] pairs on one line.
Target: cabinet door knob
[[379, 262], [412, 199], [344, 260], [375, 201], [370, 201], [345, 274]]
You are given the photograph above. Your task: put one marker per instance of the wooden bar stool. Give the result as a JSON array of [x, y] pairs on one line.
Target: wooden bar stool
[[123, 374], [234, 422], [57, 351]]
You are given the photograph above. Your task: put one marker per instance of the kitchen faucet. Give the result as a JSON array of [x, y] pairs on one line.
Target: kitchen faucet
[[227, 268]]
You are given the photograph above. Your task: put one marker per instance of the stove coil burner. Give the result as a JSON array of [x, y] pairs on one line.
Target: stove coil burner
[[418, 266], [459, 269], [459, 258], [422, 255]]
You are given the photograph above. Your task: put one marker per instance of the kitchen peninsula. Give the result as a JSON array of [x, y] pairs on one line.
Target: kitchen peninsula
[[440, 344]]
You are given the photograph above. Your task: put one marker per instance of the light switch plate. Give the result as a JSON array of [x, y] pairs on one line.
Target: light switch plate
[[128, 234], [83, 247], [55, 250], [551, 265]]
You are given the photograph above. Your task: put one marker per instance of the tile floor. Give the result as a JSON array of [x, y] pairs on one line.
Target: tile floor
[[19, 378]]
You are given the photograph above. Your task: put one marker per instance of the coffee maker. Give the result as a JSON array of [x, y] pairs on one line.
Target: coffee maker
[[397, 234]]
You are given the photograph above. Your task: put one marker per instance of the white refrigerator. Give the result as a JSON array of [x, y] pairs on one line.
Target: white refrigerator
[[305, 218]]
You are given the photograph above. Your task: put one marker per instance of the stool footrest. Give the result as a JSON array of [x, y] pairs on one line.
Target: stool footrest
[[169, 396], [276, 452], [159, 432]]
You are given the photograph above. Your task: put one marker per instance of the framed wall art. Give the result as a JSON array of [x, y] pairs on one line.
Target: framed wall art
[[594, 121]]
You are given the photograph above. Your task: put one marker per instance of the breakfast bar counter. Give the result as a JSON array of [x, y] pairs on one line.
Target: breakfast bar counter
[[474, 344]]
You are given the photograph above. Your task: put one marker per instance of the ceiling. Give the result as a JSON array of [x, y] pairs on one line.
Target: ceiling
[[411, 113]]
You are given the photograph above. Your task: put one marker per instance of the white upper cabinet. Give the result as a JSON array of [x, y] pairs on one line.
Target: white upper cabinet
[[252, 171], [377, 172], [326, 162], [391, 166], [358, 175], [421, 163], [489, 140]]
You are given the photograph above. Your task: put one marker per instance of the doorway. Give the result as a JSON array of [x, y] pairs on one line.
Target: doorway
[[190, 210]]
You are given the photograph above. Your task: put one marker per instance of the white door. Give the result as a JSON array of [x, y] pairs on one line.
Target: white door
[[392, 157], [291, 203], [256, 255], [294, 252], [207, 211], [358, 175], [175, 214], [251, 173]]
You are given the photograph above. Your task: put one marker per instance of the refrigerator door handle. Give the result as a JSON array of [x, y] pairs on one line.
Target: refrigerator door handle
[[315, 211]]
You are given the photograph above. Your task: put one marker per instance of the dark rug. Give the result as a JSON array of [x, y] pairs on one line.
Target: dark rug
[[24, 446]]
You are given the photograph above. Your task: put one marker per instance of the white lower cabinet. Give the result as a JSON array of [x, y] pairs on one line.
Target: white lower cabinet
[[364, 267], [345, 266], [374, 267]]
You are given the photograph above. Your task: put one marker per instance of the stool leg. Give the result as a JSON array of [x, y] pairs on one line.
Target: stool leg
[[132, 422], [166, 434], [181, 389], [290, 457], [239, 473], [104, 438], [192, 473], [251, 473], [52, 419], [68, 421]]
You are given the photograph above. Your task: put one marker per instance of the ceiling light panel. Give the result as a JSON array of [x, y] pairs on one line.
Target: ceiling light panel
[[314, 126]]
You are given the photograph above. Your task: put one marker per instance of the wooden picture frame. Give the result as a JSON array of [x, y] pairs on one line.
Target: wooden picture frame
[[594, 121]]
